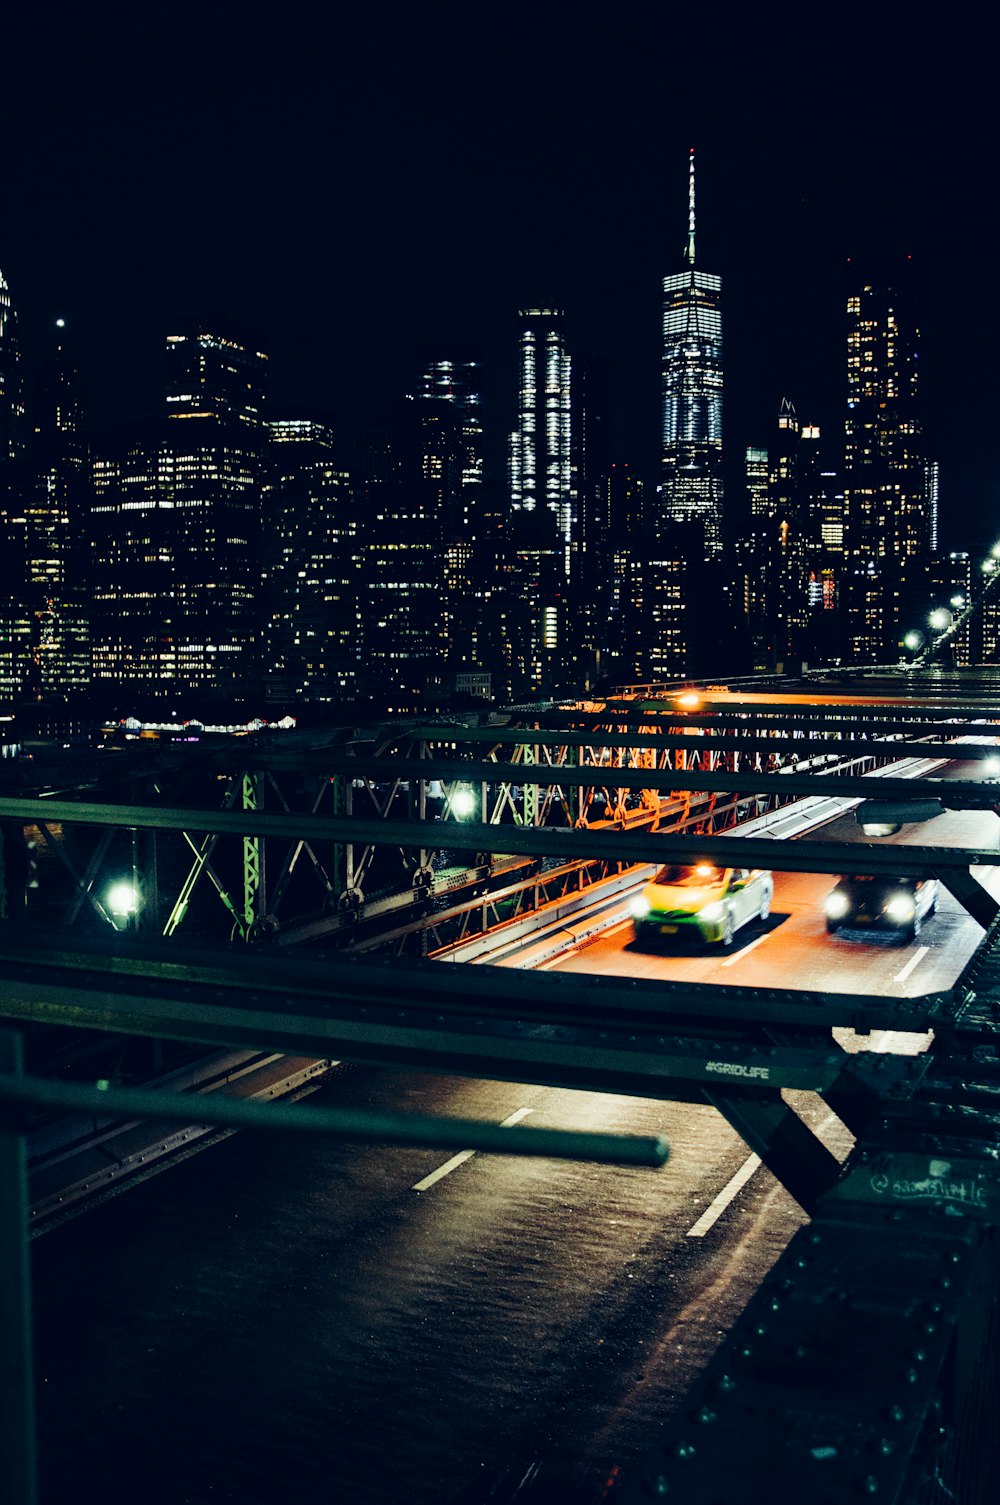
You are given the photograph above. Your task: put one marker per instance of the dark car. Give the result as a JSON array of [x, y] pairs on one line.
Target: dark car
[[875, 903]]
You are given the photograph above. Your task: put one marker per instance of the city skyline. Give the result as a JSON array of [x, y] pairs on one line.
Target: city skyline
[[367, 188]]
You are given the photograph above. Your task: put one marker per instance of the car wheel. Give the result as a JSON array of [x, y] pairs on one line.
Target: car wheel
[[932, 906], [765, 909], [832, 927], [728, 929]]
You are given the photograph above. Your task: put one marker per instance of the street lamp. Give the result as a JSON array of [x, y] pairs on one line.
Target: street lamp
[[940, 618], [913, 640], [123, 901], [463, 804]]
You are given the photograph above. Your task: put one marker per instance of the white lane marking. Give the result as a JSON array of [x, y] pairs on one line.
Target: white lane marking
[[464, 1155], [731, 961], [442, 1170], [715, 1209], [516, 1116], [914, 961]]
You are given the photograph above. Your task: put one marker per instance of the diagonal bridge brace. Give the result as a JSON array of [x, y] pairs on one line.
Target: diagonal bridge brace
[[789, 1148]]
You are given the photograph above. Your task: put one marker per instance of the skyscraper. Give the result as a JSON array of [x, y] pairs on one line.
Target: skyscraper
[[212, 376], [541, 463], [311, 568], [11, 385], [175, 531], [56, 495], [887, 513], [691, 477]]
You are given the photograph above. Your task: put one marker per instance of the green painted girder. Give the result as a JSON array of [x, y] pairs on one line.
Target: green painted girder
[[957, 794], [542, 841], [75, 985]]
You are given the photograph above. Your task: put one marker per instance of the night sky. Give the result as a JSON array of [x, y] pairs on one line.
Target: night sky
[[347, 183]]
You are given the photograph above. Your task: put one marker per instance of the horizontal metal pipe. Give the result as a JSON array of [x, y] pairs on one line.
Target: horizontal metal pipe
[[337, 1123]]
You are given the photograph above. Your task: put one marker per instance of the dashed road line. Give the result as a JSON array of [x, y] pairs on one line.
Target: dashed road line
[[716, 1208], [731, 961], [914, 961], [464, 1155]]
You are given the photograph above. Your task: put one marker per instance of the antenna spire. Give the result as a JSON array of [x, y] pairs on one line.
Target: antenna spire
[[690, 244]]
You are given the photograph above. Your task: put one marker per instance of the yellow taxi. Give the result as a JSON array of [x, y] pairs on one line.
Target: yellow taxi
[[702, 900]]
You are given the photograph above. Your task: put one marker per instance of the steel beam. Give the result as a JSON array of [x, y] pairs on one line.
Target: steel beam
[[566, 844]]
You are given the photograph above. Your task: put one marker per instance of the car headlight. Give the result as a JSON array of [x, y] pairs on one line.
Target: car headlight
[[639, 907], [901, 908], [837, 906], [712, 912]]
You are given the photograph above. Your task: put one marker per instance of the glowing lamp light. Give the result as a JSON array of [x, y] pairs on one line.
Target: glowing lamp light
[[60, 323], [689, 701], [913, 640], [988, 566], [995, 551], [991, 767], [463, 804], [958, 602], [940, 618], [122, 899]]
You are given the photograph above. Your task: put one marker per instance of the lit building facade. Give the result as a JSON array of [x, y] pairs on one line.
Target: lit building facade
[[691, 488], [212, 376], [887, 506], [311, 568], [541, 457], [11, 379], [174, 537], [56, 496]]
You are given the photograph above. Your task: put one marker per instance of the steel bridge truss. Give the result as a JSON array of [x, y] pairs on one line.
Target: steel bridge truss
[[595, 769], [858, 1366]]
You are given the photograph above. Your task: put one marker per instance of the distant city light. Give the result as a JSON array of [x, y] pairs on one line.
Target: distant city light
[[958, 602], [60, 323]]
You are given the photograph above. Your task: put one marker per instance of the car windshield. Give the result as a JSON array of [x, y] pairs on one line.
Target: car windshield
[[690, 877]]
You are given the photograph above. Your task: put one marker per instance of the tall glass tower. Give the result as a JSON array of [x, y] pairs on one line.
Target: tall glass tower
[[691, 478], [11, 388], [887, 507], [541, 464]]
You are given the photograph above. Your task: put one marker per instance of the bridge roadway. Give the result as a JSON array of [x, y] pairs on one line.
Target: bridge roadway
[[426, 1327]]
